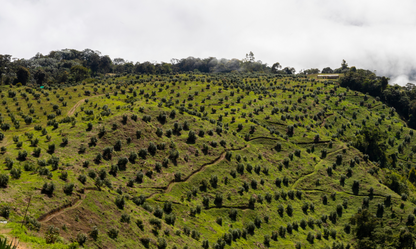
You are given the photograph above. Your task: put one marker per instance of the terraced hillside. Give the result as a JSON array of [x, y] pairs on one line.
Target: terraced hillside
[[205, 161]]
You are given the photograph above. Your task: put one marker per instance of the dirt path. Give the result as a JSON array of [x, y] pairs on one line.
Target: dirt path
[[62, 209], [315, 168], [76, 202], [279, 139], [57, 211], [168, 188], [202, 168], [72, 111], [325, 118], [269, 138], [347, 193]]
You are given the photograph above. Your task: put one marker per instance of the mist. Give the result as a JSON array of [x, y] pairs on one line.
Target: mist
[[374, 35]]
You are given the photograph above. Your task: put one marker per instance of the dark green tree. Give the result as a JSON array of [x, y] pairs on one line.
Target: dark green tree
[[23, 75]]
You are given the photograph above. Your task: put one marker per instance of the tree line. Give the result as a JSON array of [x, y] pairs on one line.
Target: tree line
[[401, 98], [70, 65]]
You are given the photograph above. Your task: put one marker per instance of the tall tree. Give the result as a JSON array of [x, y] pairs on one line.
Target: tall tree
[[344, 65], [327, 70], [289, 70], [79, 72], [23, 75], [276, 67], [4, 65], [105, 64], [40, 76]]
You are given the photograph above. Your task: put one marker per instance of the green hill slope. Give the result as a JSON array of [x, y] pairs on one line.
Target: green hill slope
[[205, 161]]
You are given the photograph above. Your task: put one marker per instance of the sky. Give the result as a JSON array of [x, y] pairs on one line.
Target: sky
[[376, 35]]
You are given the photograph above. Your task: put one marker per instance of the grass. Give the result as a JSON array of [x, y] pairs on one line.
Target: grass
[[203, 103]]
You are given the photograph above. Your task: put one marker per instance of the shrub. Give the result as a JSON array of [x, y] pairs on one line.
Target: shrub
[[15, 173], [143, 153], [113, 233], [289, 210], [152, 148], [155, 222], [94, 233], [158, 212], [228, 155], [355, 187], [48, 188], [122, 163], [132, 157], [333, 233], [117, 146], [107, 153], [266, 240], [191, 137], [139, 177], [4, 180], [170, 219], [113, 170], [36, 152], [64, 175], [219, 221], [81, 238], [178, 176], [250, 227], [120, 202], [51, 235], [22, 155], [82, 179], [282, 231], [205, 244], [68, 188], [125, 218], [9, 163], [161, 243], [51, 148], [310, 237], [218, 200], [214, 181]]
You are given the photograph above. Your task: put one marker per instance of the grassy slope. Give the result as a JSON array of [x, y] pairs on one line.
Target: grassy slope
[[95, 206]]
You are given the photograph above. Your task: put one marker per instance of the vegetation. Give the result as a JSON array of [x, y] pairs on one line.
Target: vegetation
[[237, 159]]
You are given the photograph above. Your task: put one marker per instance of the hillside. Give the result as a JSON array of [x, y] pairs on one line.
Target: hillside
[[205, 161]]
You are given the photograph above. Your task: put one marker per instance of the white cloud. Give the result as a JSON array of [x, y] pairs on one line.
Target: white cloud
[[377, 35]]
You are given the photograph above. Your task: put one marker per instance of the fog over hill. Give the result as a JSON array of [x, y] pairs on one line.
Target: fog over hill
[[302, 34]]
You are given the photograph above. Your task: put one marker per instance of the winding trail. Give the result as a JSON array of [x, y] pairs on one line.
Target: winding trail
[[217, 160], [62, 209], [77, 201], [72, 110], [325, 118], [315, 168], [57, 211], [345, 192], [278, 139], [202, 168]]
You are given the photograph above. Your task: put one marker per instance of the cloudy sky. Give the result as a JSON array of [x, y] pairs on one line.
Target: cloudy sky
[[377, 35]]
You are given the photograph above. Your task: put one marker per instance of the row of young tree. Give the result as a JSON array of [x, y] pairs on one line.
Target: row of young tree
[[70, 65]]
